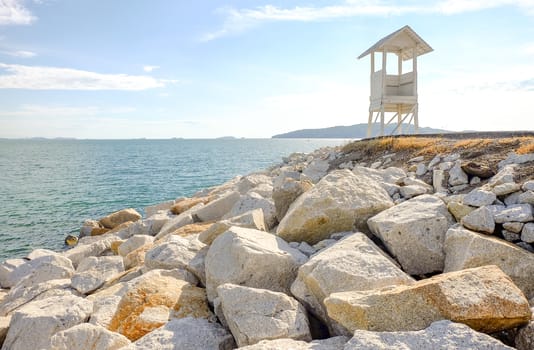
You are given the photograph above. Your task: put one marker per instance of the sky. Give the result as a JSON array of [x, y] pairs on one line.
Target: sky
[[121, 69]]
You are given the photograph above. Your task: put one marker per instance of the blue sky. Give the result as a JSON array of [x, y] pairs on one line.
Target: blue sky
[[195, 69]]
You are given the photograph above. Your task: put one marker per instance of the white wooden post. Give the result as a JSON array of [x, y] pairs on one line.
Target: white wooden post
[[384, 78], [399, 106]]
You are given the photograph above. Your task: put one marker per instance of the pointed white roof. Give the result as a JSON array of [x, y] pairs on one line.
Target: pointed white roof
[[399, 41]]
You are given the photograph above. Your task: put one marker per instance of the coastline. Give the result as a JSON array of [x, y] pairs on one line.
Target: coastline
[[326, 234]]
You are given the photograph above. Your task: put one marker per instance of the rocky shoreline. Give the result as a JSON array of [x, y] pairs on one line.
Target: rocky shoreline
[[380, 244]]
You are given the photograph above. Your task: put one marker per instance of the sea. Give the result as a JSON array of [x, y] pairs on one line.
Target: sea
[[48, 188]]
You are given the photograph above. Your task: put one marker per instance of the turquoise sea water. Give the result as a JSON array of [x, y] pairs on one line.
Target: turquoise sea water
[[49, 187]]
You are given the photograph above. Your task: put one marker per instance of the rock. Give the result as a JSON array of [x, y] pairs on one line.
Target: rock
[[253, 201], [466, 249], [251, 258], [185, 204], [4, 327], [93, 272], [506, 188], [480, 220], [441, 335], [136, 258], [258, 314], [459, 188], [524, 339], [421, 169], [154, 223], [505, 175], [175, 223], [526, 197], [305, 248], [515, 213], [334, 343], [264, 190], [528, 186], [341, 201], [161, 207], [119, 217], [457, 176], [103, 310], [527, 234], [412, 191], [526, 246], [251, 219], [459, 210], [512, 198], [438, 180], [217, 208], [87, 336], [88, 227], [353, 263], [250, 182], [480, 170], [176, 253], [387, 178], [414, 232], [197, 265], [156, 291], [510, 236], [82, 251], [514, 227], [475, 181], [6, 270], [23, 294], [133, 243], [186, 334], [516, 159], [479, 198], [42, 269], [192, 229], [317, 169], [484, 298], [285, 192], [33, 325]]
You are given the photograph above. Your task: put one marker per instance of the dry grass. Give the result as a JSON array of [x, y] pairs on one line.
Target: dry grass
[[471, 143], [419, 145], [526, 148]]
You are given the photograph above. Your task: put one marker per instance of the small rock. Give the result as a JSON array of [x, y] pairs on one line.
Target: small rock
[[478, 170], [527, 234], [434, 161], [445, 166], [516, 159], [174, 224], [506, 188], [505, 175], [93, 272], [217, 208], [416, 159], [438, 180], [479, 198], [421, 169], [528, 186], [153, 209], [119, 217], [527, 197], [412, 191], [133, 243], [456, 189], [451, 157], [253, 201], [176, 253], [480, 220], [512, 198], [514, 227], [526, 246], [317, 169], [185, 204], [510, 236], [475, 181], [518, 213], [87, 336]]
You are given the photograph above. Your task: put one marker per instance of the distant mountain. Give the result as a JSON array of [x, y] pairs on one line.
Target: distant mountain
[[356, 131]]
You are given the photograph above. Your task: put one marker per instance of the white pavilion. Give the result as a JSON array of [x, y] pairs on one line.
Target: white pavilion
[[394, 93]]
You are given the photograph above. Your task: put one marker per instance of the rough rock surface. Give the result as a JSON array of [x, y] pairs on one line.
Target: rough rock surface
[[479, 197], [33, 325], [41, 269], [257, 314], [153, 295], [251, 219], [353, 263], [87, 336], [93, 272], [217, 208], [341, 201], [186, 334], [466, 249], [524, 339], [251, 258], [285, 192], [119, 217], [251, 201], [133, 243], [414, 232], [441, 335], [484, 298], [175, 253], [334, 343], [480, 220]]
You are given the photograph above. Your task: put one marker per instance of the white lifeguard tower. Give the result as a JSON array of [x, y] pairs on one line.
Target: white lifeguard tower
[[395, 93]]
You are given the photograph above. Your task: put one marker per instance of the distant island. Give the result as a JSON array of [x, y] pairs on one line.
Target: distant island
[[350, 132]]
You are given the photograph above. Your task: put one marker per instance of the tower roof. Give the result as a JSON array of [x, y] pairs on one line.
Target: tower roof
[[399, 42]]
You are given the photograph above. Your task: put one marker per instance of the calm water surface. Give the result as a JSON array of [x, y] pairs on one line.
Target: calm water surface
[[49, 187]]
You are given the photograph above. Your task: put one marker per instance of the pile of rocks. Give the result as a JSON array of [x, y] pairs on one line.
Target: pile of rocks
[[433, 255]]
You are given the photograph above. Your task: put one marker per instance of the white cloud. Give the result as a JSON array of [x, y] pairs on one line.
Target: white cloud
[[240, 20], [20, 53], [150, 68], [13, 12], [53, 78]]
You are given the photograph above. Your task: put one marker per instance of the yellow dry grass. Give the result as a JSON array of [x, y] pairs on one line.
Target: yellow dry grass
[[526, 148], [422, 145], [471, 143]]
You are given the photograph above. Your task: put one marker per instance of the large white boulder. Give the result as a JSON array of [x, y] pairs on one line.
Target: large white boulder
[[93, 272], [484, 298], [186, 334], [133, 243], [479, 197], [285, 191], [251, 201], [175, 223], [441, 335], [256, 314], [6, 269], [87, 336], [480, 220], [119, 217], [414, 232], [177, 252], [41, 269], [341, 201], [82, 251], [216, 209], [466, 249], [353, 263], [334, 343], [514, 213], [33, 325], [316, 170], [251, 258]]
